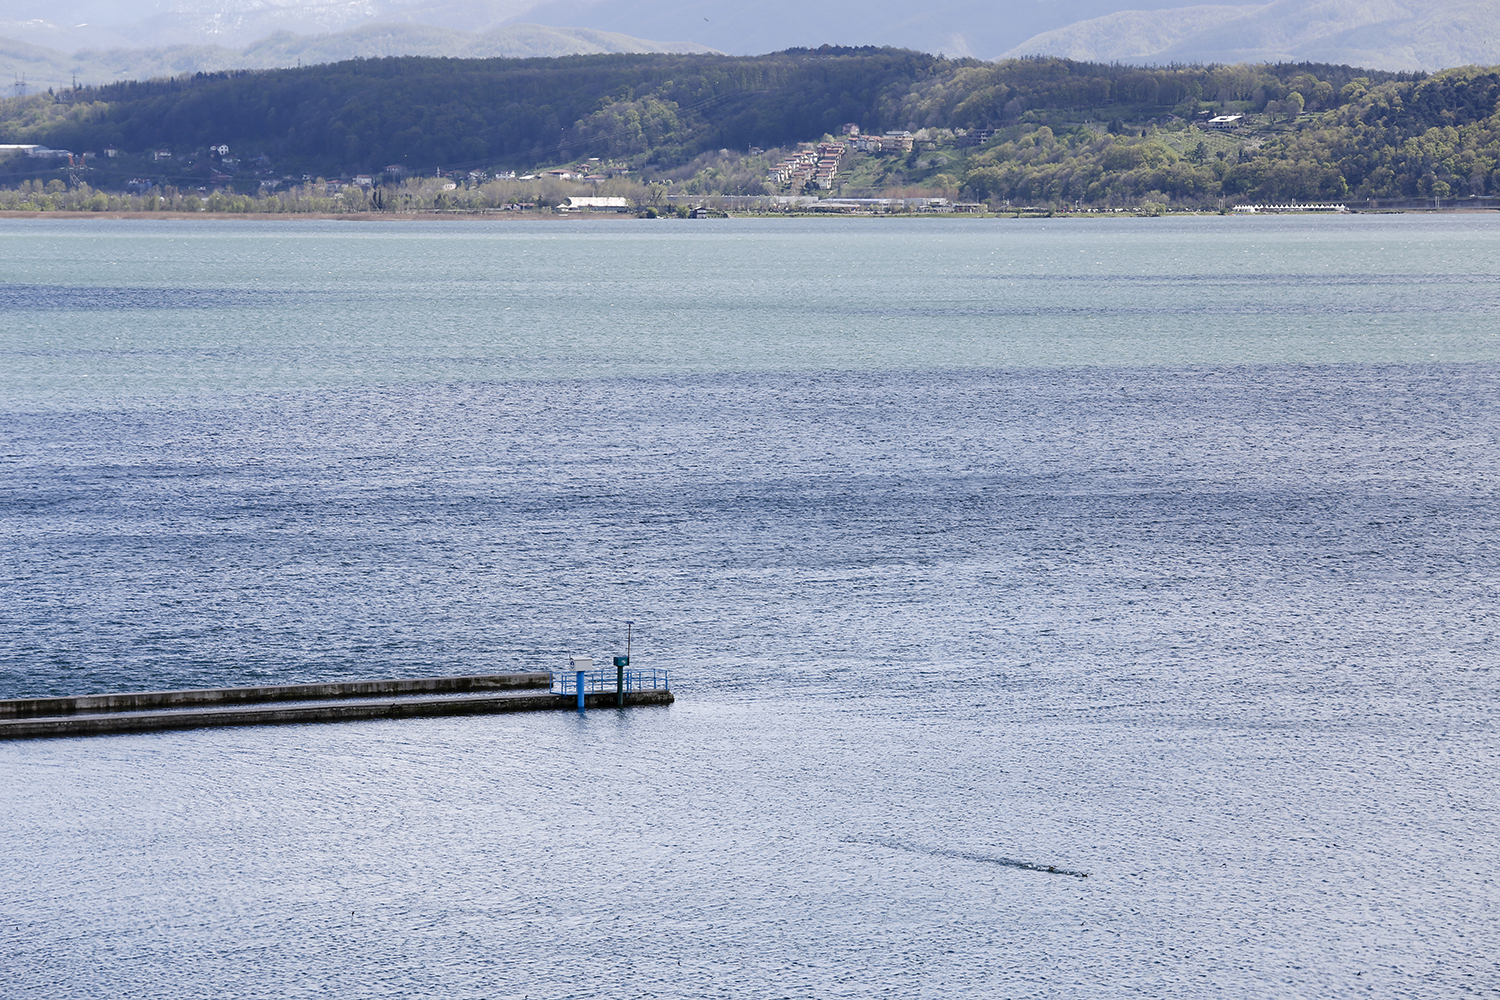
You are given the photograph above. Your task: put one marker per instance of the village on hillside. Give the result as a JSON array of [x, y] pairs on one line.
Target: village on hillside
[[930, 170], [816, 164]]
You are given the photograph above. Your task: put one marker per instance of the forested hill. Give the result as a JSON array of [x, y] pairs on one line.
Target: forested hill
[[1039, 131], [423, 113]]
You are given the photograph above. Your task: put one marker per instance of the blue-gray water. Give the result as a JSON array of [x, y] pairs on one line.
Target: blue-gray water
[[1162, 551]]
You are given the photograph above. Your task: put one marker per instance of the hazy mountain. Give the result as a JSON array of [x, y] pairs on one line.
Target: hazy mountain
[[1389, 34], [980, 28], [45, 67], [76, 24], [1130, 35], [1404, 34]]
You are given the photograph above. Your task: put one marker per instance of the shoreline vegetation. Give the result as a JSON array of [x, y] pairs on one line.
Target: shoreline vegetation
[[430, 199], [806, 131], [546, 216]]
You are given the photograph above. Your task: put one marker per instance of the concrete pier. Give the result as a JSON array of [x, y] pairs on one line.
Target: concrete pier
[[134, 712], [134, 701]]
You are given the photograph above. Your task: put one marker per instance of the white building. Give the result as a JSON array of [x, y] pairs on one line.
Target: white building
[[576, 203]]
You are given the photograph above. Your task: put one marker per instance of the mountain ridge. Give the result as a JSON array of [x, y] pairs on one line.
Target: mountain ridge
[[44, 67], [1391, 34]]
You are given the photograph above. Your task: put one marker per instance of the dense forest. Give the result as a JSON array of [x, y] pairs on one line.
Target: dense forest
[[426, 113], [1035, 131]]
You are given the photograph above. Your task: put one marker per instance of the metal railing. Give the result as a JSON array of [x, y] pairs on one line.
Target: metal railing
[[601, 681]]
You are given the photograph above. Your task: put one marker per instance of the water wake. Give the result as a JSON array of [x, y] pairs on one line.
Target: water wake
[[948, 852]]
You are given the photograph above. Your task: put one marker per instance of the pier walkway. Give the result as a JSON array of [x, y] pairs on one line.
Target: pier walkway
[[134, 712]]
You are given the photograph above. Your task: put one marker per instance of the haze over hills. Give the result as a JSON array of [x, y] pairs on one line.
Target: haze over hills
[[1390, 34], [94, 41], [980, 28], [1382, 34], [50, 43], [42, 67]]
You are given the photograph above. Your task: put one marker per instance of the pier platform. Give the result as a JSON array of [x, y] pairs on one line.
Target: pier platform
[[135, 712]]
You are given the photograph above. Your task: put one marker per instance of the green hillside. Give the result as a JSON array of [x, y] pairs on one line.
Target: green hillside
[[1036, 131], [425, 113]]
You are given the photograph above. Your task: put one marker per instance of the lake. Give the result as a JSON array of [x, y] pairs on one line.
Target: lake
[[1161, 552]]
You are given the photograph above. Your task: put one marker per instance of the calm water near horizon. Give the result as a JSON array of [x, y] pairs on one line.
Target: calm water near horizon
[[1158, 550]]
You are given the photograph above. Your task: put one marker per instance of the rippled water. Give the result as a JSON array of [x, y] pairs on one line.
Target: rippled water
[[1160, 553]]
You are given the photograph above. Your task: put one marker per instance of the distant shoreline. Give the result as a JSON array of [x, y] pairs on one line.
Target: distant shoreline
[[514, 217], [310, 216]]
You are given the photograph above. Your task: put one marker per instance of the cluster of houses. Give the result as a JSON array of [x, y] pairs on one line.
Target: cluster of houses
[[812, 163], [817, 164], [891, 142], [591, 170]]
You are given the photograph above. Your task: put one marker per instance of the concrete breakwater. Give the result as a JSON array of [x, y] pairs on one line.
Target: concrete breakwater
[[129, 712], [134, 701]]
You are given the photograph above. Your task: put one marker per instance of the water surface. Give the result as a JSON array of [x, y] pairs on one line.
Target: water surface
[[1156, 550]]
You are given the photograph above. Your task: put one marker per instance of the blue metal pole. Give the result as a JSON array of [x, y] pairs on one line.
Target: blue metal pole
[[580, 690]]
